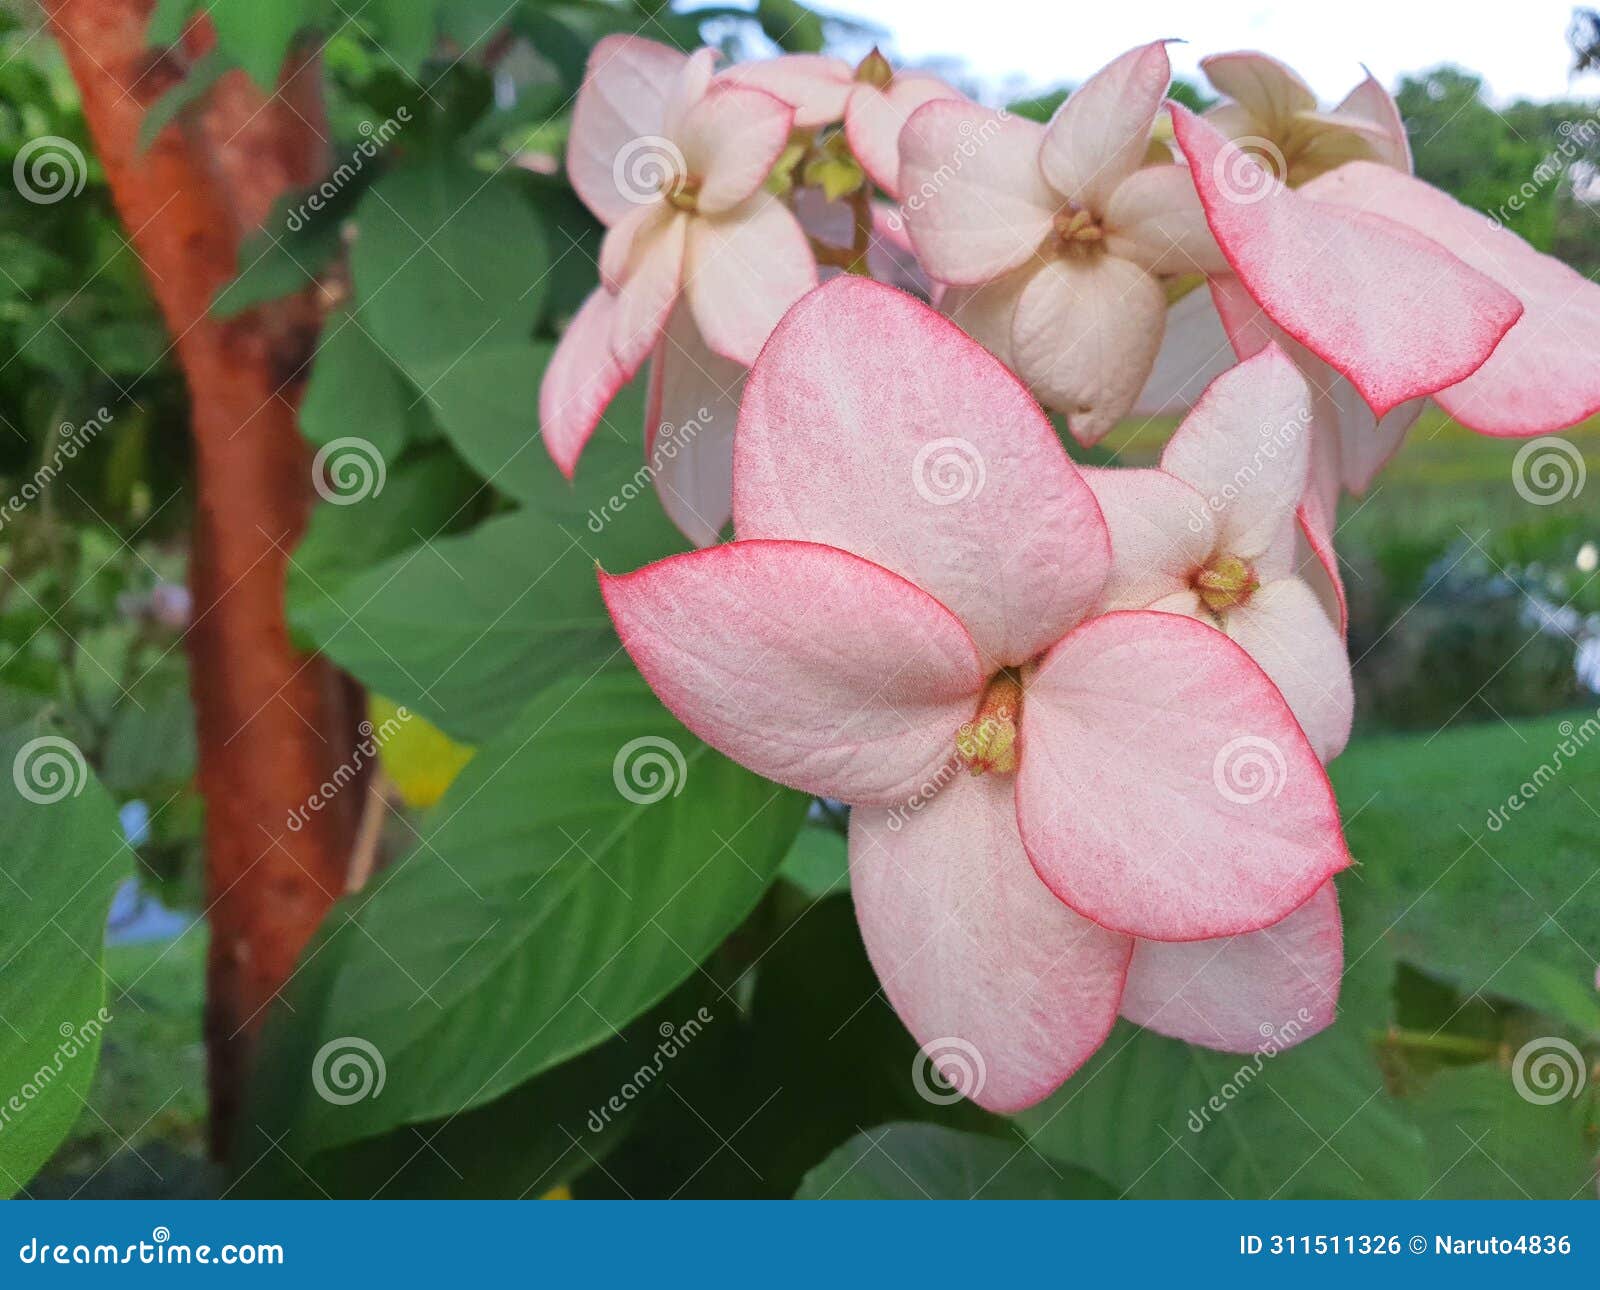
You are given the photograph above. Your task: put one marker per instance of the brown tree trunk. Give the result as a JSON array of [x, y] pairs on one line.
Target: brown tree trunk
[[273, 723]]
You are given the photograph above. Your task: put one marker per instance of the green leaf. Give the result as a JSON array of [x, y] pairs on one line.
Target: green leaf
[[354, 389], [449, 261], [404, 30], [1489, 1142], [427, 493], [296, 242], [257, 35], [466, 630], [1163, 1119], [818, 863], [205, 73], [580, 868], [1520, 881], [791, 26], [930, 1162], [63, 859]]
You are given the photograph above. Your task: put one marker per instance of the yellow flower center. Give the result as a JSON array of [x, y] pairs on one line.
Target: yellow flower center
[[1078, 231], [1226, 583], [988, 743], [683, 191]]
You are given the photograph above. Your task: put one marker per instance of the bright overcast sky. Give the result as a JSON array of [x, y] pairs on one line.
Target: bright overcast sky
[[1520, 49]]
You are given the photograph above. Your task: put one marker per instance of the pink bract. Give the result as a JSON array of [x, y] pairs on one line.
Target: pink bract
[[914, 594]]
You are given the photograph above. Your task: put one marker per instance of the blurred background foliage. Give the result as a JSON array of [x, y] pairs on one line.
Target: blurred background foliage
[[1470, 609]]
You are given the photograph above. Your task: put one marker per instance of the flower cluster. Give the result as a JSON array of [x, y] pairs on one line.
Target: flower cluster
[[1081, 715]]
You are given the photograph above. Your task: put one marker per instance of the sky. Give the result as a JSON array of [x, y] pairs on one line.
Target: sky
[[1520, 49]]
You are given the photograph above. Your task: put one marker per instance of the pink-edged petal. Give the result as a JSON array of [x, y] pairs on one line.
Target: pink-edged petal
[[1350, 445], [619, 248], [654, 276], [689, 419], [1261, 992], [988, 312], [1315, 559], [975, 202], [745, 269], [1085, 336], [1268, 90], [873, 424], [1161, 532], [1098, 137], [1194, 351], [1246, 449], [692, 84], [1395, 312], [814, 85], [1165, 789], [731, 140], [621, 106], [1545, 375], [582, 378], [1154, 219], [1007, 990], [1369, 102], [1286, 630], [874, 118], [807, 664]]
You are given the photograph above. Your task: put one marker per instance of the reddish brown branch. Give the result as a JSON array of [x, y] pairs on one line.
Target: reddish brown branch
[[273, 723]]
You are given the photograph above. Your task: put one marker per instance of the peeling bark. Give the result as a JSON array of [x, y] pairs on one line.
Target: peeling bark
[[274, 723]]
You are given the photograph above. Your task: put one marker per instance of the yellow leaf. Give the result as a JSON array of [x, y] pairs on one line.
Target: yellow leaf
[[419, 758]]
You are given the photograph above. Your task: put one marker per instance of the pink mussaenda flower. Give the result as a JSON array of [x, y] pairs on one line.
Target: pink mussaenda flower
[[1054, 239], [1212, 534], [1389, 308], [911, 597], [872, 99], [674, 165], [1276, 114]]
